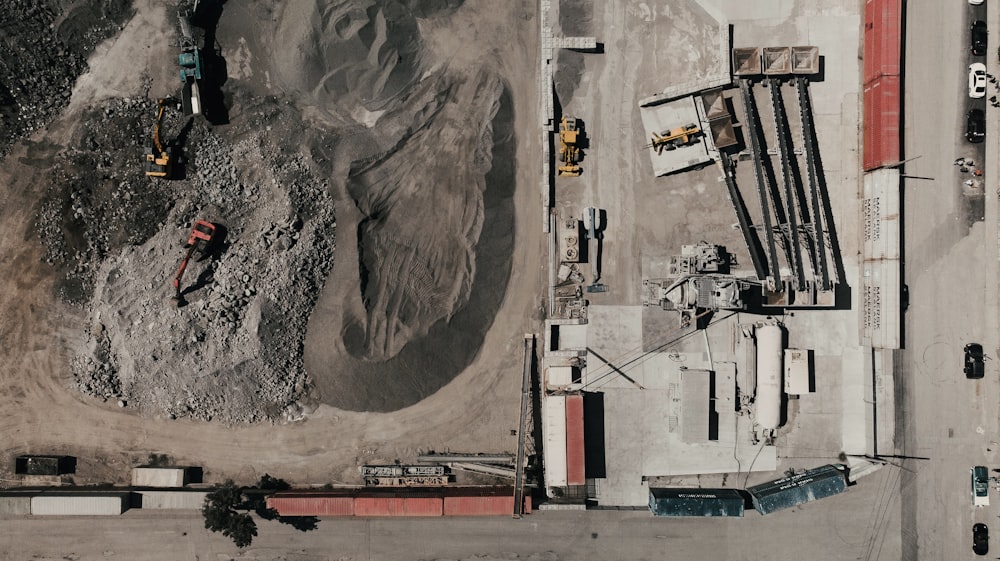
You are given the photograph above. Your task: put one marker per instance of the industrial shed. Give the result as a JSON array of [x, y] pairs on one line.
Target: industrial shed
[[696, 502], [44, 465], [819, 483]]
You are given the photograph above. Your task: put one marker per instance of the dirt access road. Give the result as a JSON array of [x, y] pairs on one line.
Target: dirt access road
[[474, 411]]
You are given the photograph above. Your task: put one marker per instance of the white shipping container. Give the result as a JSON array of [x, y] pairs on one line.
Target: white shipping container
[[15, 505], [554, 440], [79, 504], [173, 500], [145, 476]]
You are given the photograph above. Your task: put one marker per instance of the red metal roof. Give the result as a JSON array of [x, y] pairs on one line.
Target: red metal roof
[[312, 506], [883, 26], [881, 136], [575, 461]]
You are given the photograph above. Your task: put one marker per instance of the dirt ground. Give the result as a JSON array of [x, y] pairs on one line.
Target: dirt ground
[[369, 188]]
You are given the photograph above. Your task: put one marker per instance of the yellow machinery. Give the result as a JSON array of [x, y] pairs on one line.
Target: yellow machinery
[[158, 163], [569, 149], [670, 140]]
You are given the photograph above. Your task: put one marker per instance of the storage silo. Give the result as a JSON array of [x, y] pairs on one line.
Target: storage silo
[[770, 339]]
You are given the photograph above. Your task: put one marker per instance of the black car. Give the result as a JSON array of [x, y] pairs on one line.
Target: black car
[[980, 539], [973, 360], [975, 125], [978, 34]]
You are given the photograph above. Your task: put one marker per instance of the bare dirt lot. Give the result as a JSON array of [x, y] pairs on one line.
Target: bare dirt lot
[[362, 163]]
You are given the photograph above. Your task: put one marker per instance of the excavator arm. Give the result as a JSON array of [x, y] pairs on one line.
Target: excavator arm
[[158, 163]]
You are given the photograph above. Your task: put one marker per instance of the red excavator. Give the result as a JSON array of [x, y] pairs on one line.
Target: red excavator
[[201, 237]]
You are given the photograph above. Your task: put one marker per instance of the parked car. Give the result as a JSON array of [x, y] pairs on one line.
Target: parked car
[[980, 486], [973, 360], [975, 2], [975, 125], [980, 539], [977, 80], [977, 35]]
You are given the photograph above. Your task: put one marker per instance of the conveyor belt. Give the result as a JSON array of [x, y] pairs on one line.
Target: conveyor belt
[[819, 209], [785, 154], [753, 133]]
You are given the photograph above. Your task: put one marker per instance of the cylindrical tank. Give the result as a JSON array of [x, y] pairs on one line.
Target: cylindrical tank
[[769, 357]]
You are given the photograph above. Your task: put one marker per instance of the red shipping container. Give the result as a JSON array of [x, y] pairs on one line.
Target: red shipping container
[[311, 505], [575, 461], [881, 117], [882, 38], [423, 506], [479, 506], [398, 506], [378, 506]]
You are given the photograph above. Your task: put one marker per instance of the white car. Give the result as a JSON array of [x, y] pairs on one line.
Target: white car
[[975, 2], [977, 80]]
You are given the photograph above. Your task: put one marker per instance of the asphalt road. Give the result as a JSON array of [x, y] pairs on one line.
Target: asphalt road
[[950, 263], [842, 527]]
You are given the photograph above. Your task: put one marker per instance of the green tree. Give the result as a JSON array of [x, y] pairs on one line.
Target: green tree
[[220, 511]]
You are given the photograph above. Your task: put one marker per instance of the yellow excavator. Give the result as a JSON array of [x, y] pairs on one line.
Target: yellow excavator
[[569, 149], [158, 162], [673, 138]]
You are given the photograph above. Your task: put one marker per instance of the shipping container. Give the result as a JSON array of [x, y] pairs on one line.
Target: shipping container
[[398, 506], [810, 485], [149, 476], [695, 502], [881, 118], [554, 440], [79, 503], [479, 506], [575, 460], [882, 39], [423, 506], [12, 504], [169, 500], [311, 505], [880, 214]]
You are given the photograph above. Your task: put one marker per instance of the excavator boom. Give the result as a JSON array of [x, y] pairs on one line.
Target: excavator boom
[[158, 163], [202, 234]]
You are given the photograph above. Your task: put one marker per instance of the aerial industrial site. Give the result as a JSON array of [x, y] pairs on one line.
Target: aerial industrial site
[[530, 279]]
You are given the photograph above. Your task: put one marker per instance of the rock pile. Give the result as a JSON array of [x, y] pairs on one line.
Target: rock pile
[[42, 56], [233, 351]]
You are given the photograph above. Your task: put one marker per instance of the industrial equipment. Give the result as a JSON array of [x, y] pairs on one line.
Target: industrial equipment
[[593, 224], [202, 234], [190, 61], [673, 138], [158, 162], [569, 149]]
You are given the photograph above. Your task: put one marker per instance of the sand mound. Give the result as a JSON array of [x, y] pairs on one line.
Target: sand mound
[[384, 336], [347, 53]]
